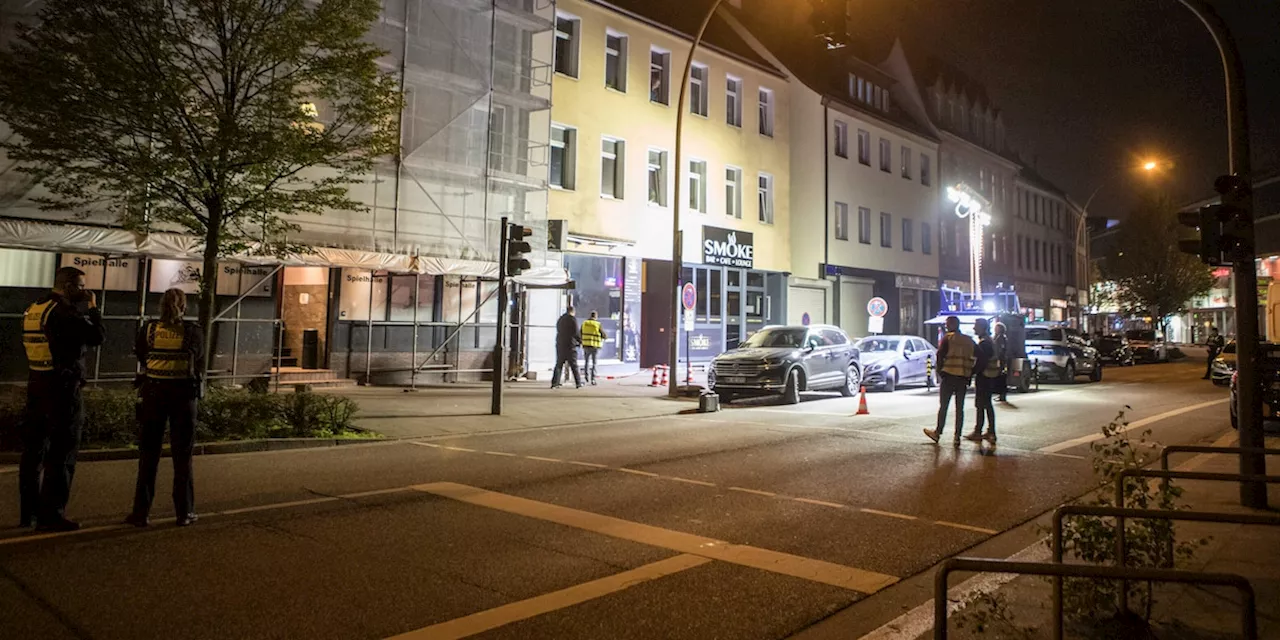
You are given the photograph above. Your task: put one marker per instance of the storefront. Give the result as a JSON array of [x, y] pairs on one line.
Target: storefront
[[609, 286]]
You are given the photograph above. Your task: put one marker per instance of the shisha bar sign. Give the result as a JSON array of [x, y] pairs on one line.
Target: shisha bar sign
[[728, 248]]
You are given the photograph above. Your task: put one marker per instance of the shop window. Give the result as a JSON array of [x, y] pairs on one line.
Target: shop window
[[715, 300], [755, 279], [402, 298], [361, 292]]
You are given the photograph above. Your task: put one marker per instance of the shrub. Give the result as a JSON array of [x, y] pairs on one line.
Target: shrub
[[110, 418]]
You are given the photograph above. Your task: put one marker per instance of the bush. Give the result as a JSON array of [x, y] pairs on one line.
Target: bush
[[224, 414]]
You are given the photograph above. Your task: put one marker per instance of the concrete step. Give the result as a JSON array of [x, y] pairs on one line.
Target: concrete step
[[313, 377]]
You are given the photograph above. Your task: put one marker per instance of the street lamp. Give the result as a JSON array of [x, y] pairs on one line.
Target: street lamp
[[970, 204]]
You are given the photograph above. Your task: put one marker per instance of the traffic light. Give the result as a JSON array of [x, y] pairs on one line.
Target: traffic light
[[517, 248], [1224, 228]]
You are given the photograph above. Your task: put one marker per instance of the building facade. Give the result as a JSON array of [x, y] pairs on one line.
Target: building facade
[[1046, 262], [613, 174]]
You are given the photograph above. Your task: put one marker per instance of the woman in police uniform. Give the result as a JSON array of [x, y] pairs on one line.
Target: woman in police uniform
[[171, 353]]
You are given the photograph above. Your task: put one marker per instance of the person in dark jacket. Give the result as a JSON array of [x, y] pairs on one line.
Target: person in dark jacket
[[567, 338], [1215, 344], [986, 375], [171, 353], [1001, 343], [55, 335]]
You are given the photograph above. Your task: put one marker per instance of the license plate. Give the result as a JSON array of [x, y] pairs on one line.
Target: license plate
[[734, 380]]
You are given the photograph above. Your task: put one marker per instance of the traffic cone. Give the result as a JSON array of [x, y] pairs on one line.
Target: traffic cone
[[862, 404], [654, 382], [664, 377]]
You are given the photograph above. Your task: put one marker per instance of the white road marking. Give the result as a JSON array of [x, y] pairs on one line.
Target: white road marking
[[967, 527], [463, 449], [851, 578], [424, 444], [544, 459], [636, 472], [821, 503], [900, 516], [1136, 424], [588, 464], [279, 505], [767, 494], [523, 610], [502, 453], [689, 481]]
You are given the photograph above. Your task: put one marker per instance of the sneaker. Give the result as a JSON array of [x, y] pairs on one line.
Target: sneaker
[[61, 525], [593, 383], [933, 435], [137, 520], [188, 520], [974, 437], [956, 443], [555, 386], [990, 437]]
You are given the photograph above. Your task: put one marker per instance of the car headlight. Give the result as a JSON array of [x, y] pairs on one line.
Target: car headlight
[[872, 368]]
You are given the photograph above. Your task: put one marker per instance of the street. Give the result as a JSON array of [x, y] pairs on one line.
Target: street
[[758, 521]]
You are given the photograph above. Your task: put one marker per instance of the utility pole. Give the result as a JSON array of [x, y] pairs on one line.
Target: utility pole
[[1249, 409]]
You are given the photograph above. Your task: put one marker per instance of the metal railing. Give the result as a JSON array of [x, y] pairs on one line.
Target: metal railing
[[1060, 514], [1248, 608]]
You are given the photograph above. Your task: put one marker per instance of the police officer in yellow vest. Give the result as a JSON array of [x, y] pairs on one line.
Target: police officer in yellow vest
[[171, 353], [55, 336], [988, 376], [593, 337], [956, 353]]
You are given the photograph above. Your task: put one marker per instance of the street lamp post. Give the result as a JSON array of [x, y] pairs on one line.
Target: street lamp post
[[971, 205], [677, 248]]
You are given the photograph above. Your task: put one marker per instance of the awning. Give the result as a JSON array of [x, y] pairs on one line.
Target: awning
[[74, 238]]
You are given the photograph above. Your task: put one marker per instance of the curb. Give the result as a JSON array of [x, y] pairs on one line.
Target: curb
[[213, 448]]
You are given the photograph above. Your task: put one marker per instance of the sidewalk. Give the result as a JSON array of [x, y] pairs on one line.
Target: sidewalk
[[1185, 612]]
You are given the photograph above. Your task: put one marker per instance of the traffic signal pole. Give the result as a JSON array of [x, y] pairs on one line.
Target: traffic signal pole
[[1248, 394], [499, 343]]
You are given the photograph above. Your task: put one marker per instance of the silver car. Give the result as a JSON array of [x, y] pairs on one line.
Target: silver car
[[890, 361]]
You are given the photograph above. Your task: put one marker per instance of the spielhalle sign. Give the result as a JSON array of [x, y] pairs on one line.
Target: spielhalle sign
[[728, 248]]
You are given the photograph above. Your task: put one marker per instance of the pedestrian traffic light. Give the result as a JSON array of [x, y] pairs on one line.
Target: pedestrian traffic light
[[517, 248], [1224, 228]]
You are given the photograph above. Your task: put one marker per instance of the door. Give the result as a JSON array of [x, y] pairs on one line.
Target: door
[[839, 354], [655, 312], [817, 359]]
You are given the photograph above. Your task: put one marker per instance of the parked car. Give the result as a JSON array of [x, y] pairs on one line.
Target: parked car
[[890, 361], [787, 360], [1147, 346], [1270, 374], [1114, 350], [1224, 366], [1060, 355]]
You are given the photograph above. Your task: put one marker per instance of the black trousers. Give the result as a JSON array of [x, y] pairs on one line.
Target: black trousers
[[174, 404], [1208, 364], [951, 386], [563, 358], [984, 388], [54, 418]]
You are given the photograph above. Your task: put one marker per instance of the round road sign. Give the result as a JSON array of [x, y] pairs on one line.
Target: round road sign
[[877, 307], [689, 296]]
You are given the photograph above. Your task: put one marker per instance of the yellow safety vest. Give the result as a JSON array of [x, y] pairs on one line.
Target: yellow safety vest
[[35, 339], [592, 335], [993, 365], [960, 356], [166, 359]]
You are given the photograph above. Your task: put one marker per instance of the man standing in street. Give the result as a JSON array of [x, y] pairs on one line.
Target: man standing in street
[[956, 353], [566, 348], [593, 338], [1001, 344], [55, 335], [1214, 344], [986, 374]]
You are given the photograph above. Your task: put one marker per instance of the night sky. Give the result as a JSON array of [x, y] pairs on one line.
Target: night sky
[[1088, 87]]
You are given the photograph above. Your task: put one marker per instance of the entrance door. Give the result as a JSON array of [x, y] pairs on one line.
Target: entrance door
[[655, 312], [304, 308]]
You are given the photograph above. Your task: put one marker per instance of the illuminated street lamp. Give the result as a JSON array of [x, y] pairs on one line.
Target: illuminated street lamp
[[970, 204]]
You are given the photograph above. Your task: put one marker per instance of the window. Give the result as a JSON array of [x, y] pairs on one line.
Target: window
[[842, 139], [612, 157], [926, 178], [864, 225], [733, 101], [658, 177], [842, 221], [1018, 242], [1037, 255], [886, 230], [698, 89], [926, 238], [886, 156], [615, 61], [864, 147], [698, 185], [733, 192], [567, 32], [659, 76], [908, 230], [764, 198], [766, 113], [906, 162], [564, 148]]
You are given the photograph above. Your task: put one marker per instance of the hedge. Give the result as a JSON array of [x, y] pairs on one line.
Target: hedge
[[225, 414]]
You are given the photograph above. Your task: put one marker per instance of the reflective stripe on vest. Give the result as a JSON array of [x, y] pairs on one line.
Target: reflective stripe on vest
[[960, 358], [993, 365], [592, 335], [34, 337], [166, 359]]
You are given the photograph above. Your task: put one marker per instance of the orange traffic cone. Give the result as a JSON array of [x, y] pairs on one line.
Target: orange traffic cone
[[862, 404], [654, 382], [664, 378]]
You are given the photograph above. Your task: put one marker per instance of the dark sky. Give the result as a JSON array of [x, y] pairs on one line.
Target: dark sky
[[1088, 87]]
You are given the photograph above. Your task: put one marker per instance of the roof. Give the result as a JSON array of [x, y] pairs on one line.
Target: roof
[[676, 17]]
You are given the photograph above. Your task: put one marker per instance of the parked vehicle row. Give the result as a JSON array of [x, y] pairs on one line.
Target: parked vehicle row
[[1061, 353], [787, 360]]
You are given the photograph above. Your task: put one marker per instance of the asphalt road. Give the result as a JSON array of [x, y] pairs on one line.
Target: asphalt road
[[755, 522]]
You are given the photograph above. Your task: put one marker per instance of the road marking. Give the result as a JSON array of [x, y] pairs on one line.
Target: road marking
[[425, 444], [62, 534], [279, 505], [637, 472], [851, 578], [376, 492], [767, 494], [1136, 424], [588, 464], [967, 527], [689, 481], [900, 516], [821, 503], [544, 459], [445, 446], [554, 601], [501, 453]]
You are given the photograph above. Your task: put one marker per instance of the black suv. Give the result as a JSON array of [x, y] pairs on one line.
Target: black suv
[[787, 360]]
